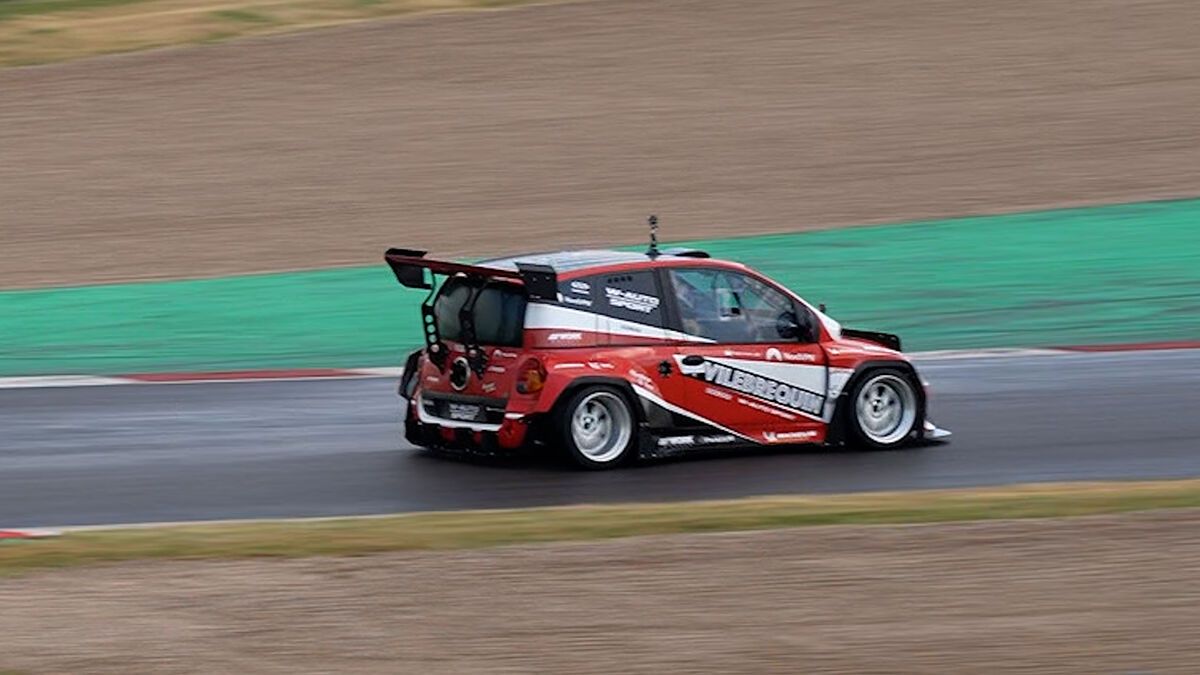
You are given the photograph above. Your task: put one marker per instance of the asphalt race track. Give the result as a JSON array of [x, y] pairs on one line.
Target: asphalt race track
[[97, 455]]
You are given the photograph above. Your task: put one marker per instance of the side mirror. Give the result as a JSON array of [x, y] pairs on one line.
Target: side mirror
[[790, 327]]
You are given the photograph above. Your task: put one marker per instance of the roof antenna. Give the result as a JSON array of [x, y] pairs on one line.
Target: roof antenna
[[653, 250]]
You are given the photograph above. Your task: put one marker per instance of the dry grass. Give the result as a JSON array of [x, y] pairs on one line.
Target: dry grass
[[44, 31], [476, 529]]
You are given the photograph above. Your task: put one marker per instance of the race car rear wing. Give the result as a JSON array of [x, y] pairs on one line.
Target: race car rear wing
[[409, 265], [540, 282]]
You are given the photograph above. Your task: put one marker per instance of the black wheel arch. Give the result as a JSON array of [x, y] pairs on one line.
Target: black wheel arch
[[837, 426]]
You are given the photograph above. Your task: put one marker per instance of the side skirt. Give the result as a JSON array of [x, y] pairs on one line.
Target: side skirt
[[663, 443]]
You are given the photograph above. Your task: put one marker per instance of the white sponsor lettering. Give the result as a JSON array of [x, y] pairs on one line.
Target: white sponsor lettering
[[684, 441], [713, 391], [742, 354], [673, 441], [774, 354], [489, 387], [565, 337], [802, 357], [600, 365], [764, 408], [635, 302], [642, 380], [572, 300], [764, 388], [582, 287], [788, 436], [462, 411], [501, 354]]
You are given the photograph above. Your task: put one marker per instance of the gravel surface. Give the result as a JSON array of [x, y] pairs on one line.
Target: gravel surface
[[1116, 594], [531, 128]]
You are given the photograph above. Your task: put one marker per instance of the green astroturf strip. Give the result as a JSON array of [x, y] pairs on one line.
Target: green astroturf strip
[[1125, 273]]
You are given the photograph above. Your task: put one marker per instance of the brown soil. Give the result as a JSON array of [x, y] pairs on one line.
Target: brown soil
[[566, 124], [1087, 595]]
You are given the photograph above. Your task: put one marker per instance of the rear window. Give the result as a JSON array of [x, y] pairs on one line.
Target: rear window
[[499, 312]]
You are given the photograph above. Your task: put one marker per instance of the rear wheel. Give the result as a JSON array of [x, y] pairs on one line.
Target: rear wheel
[[598, 428], [884, 410]]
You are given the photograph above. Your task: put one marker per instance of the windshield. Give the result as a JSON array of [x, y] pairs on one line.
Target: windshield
[[499, 311]]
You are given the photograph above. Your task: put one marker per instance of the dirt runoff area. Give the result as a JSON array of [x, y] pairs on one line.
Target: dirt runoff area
[[1113, 594], [488, 132]]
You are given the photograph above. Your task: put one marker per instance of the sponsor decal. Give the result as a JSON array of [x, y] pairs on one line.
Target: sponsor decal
[[713, 391], [581, 287], [499, 370], [635, 302], [501, 354], [763, 407], [572, 300], [774, 354], [695, 440], [600, 365], [567, 366], [642, 380], [788, 436], [462, 411], [739, 354], [675, 441], [565, 337], [757, 386], [488, 387], [432, 379]]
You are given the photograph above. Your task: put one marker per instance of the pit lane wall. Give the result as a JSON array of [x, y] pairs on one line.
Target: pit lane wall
[[1114, 274]]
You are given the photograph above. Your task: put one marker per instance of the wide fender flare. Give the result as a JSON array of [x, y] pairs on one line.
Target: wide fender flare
[[409, 375], [562, 383], [837, 425]]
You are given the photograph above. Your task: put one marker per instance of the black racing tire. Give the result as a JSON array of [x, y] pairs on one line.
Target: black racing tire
[[883, 410], [597, 428]]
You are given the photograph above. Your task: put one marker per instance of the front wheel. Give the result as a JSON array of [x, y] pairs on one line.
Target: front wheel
[[884, 410], [598, 428]]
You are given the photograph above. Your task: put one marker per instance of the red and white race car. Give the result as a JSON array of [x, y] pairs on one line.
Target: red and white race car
[[612, 355]]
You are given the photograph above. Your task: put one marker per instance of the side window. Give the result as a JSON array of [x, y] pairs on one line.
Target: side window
[[734, 308], [631, 296]]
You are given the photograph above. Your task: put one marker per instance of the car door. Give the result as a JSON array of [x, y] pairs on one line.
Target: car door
[[760, 373], [632, 342]]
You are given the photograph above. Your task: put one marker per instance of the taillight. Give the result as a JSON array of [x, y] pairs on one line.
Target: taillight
[[531, 377]]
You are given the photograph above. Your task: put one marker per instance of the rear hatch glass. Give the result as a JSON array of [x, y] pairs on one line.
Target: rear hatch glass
[[499, 311]]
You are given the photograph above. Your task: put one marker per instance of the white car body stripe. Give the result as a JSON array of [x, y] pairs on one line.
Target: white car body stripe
[[542, 316], [808, 376], [646, 394]]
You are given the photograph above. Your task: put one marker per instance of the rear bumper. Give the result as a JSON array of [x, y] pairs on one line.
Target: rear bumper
[[425, 429]]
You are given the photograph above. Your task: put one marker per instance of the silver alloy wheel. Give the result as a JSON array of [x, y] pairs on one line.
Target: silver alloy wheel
[[886, 409], [601, 426]]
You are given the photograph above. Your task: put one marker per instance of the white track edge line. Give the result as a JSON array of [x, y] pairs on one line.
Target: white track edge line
[[65, 381]]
